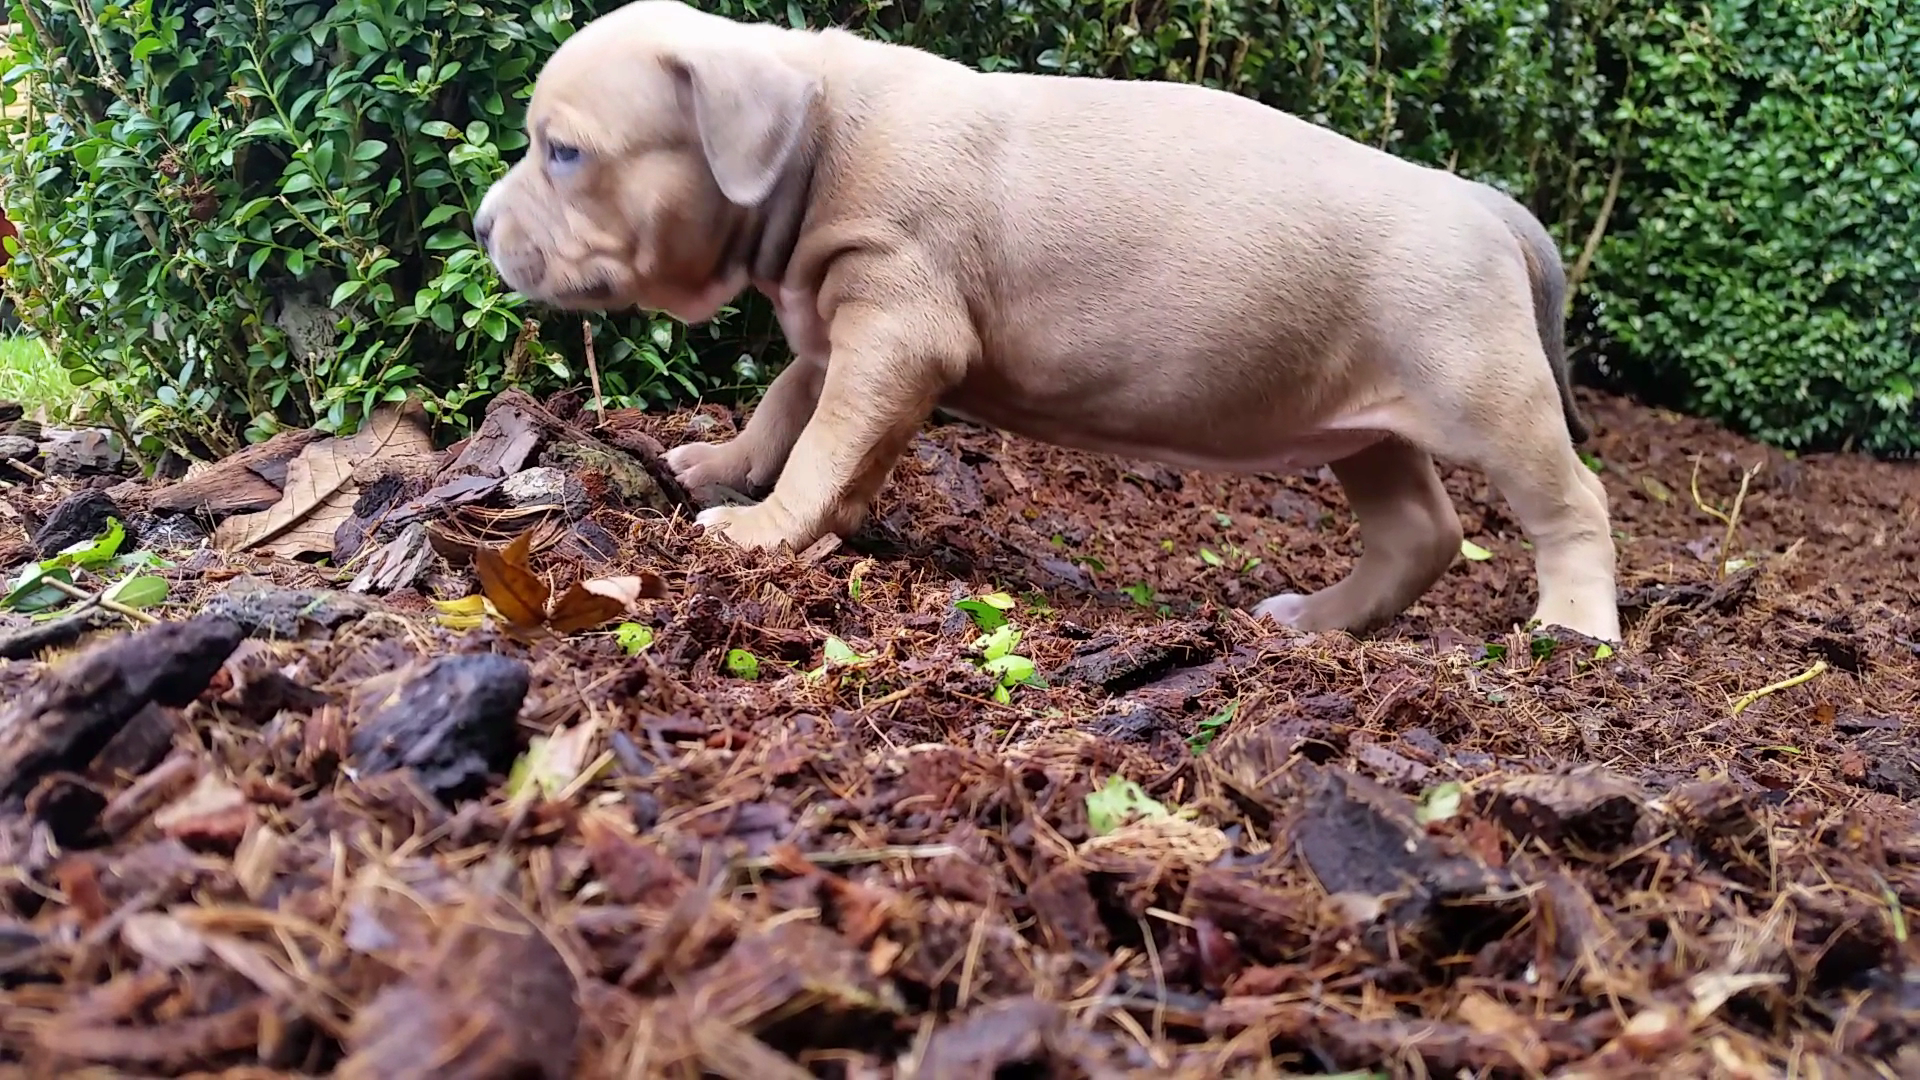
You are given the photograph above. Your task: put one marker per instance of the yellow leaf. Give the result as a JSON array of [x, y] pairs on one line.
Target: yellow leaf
[[464, 613]]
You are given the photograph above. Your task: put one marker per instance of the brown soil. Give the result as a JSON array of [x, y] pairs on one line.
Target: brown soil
[[283, 844]]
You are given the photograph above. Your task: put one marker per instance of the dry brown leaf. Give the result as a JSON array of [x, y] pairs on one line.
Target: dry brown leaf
[[582, 608], [320, 489], [516, 592]]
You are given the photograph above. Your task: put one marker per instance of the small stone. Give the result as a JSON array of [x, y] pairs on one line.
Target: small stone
[[87, 452], [18, 448], [545, 487], [78, 519]]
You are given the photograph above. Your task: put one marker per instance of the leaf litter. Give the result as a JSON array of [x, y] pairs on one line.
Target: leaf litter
[[570, 789]]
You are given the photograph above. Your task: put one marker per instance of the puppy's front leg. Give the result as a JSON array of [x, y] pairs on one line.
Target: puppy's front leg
[[755, 457], [883, 376]]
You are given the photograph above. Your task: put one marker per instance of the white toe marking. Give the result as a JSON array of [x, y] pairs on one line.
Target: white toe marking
[[1285, 609]]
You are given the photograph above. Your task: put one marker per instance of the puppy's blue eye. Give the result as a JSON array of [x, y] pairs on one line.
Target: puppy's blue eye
[[561, 154]]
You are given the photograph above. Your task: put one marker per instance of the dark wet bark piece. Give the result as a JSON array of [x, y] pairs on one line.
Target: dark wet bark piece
[[1357, 844], [1064, 907], [70, 714], [790, 969], [78, 519], [264, 610], [452, 724], [247, 482], [1120, 662], [495, 1002], [984, 1041], [34, 638], [504, 443], [70, 809], [1345, 1042], [1594, 809], [1270, 925]]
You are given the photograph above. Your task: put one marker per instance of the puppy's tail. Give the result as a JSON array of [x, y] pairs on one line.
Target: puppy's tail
[[1548, 280]]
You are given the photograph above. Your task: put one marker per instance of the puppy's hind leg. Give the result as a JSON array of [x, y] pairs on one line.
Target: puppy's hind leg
[[1409, 535], [1497, 407], [754, 458]]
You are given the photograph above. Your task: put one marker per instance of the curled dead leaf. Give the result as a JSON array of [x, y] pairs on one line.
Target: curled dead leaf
[[581, 608], [513, 589]]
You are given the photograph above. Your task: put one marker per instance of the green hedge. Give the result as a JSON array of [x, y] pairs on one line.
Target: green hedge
[[239, 218], [1769, 272]]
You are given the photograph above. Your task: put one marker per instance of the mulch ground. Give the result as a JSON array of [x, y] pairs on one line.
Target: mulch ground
[[295, 830]]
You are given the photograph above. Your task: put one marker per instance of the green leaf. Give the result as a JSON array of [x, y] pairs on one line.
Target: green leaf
[[31, 593], [91, 554], [1440, 802], [263, 128], [998, 642], [1210, 728], [1474, 551], [1207, 556], [347, 290], [633, 638], [987, 613], [1119, 802], [138, 592], [1011, 668], [742, 664], [440, 215], [839, 652], [369, 150]]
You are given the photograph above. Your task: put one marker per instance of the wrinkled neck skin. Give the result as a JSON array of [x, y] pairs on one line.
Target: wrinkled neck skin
[[763, 241]]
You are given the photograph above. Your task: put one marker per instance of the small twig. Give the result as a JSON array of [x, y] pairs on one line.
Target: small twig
[[27, 469], [593, 371], [91, 599], [1578, 273], [1730, 517], [1808, 675], [854, 858]]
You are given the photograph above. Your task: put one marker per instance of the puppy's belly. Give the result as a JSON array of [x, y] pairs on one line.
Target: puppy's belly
[[1276, 447]]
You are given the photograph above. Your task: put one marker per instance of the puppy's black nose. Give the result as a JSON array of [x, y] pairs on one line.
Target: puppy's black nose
[[483, 231]]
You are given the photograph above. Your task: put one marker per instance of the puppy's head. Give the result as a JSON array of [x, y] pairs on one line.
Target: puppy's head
[[653, 133]]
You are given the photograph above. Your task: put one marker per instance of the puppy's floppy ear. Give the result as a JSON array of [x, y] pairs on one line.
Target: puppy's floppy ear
[[751, 109]]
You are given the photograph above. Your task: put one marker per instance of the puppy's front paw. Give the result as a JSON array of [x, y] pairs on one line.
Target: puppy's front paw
[[751, 527], [697, 465], [1287, 609]]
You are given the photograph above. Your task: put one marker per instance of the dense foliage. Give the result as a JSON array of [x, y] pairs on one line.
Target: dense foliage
[[240, 217], [1768, 272]]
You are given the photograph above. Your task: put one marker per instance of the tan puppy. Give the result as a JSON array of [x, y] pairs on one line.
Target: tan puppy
[[1152, 269]]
